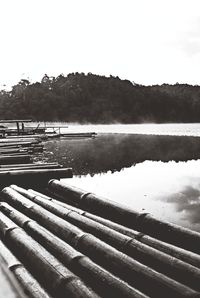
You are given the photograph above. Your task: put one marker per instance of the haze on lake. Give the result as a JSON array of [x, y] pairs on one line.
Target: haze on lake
[[159, 173]]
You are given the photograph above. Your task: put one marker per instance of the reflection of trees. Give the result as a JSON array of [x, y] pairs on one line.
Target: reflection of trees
[[116, 151]]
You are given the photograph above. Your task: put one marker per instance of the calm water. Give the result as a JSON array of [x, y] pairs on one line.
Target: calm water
[[158, 173], [188, 129]]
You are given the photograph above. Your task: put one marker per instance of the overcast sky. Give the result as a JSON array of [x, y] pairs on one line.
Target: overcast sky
[[145, 41]]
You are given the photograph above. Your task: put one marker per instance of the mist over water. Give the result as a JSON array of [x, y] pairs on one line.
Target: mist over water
[[152, 173], [113, 152], [182, 129]]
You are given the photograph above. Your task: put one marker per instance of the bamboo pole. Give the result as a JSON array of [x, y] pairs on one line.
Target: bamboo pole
[[30, 168], [38, 173], [18, 129], [19, 139], [177, 252], [9, 159], [78, 135], [28, 136], [161, 262], [9, 287], [143, 222], [45, 266], [30, 165], [11, 150], [136, 274], [10, 154], [36, 193], [30, 286], [18, 144], [27, 177], [98, 278]]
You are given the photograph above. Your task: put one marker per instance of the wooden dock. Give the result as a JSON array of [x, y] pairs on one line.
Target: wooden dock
[[77, 244], [44, 132], [18, 151]]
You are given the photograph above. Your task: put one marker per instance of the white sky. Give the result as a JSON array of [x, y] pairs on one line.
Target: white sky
[[145, 41]]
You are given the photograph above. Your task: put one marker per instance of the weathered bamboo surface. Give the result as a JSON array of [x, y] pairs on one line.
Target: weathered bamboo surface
[[118, 213], [184, 255], [29, 165], [107, 258], [158, 260], [55, 276], [29, 176], [17, 160], [9, 287], [37, 136], [28, 284], [27, 131], [16, 144], [78, 135], [10, 159], [19, 139]]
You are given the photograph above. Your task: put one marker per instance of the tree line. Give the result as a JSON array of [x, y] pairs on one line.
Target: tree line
[[89, 98]]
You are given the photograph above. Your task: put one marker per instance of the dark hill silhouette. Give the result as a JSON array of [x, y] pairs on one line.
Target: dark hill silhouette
[[84, 98]]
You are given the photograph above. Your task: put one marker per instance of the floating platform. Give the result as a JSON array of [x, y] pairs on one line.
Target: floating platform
[[29, 176], [76, 244], [78, 135], [28, 136], [32, 165], [41, 132], [10, 159], [16, 144]]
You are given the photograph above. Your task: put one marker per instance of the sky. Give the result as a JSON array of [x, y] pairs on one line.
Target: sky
[[145, 41]]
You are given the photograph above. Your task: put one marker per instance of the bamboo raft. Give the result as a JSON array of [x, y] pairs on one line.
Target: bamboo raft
[[66, 242], [79, 135], [41, 132], [17, 159], [17, 163]]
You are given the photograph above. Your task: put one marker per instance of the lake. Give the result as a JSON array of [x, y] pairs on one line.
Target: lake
[[152, 167]]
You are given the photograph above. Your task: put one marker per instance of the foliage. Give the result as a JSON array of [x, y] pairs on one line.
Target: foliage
[[91, 98]]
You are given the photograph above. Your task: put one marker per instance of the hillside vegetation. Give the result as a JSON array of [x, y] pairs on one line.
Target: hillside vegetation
[[84, 98]]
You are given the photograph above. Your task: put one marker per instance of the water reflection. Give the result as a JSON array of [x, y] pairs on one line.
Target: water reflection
[[117, 151], [187, 201], [163, 186], [170, 191]]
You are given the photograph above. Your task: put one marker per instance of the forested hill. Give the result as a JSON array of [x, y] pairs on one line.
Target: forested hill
[[83, 98]]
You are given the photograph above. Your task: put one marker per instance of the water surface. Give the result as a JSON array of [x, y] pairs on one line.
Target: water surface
[[188, 129], [152, 173]]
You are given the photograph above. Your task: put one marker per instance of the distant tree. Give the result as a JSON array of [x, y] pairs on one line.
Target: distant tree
[[99, 99]]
